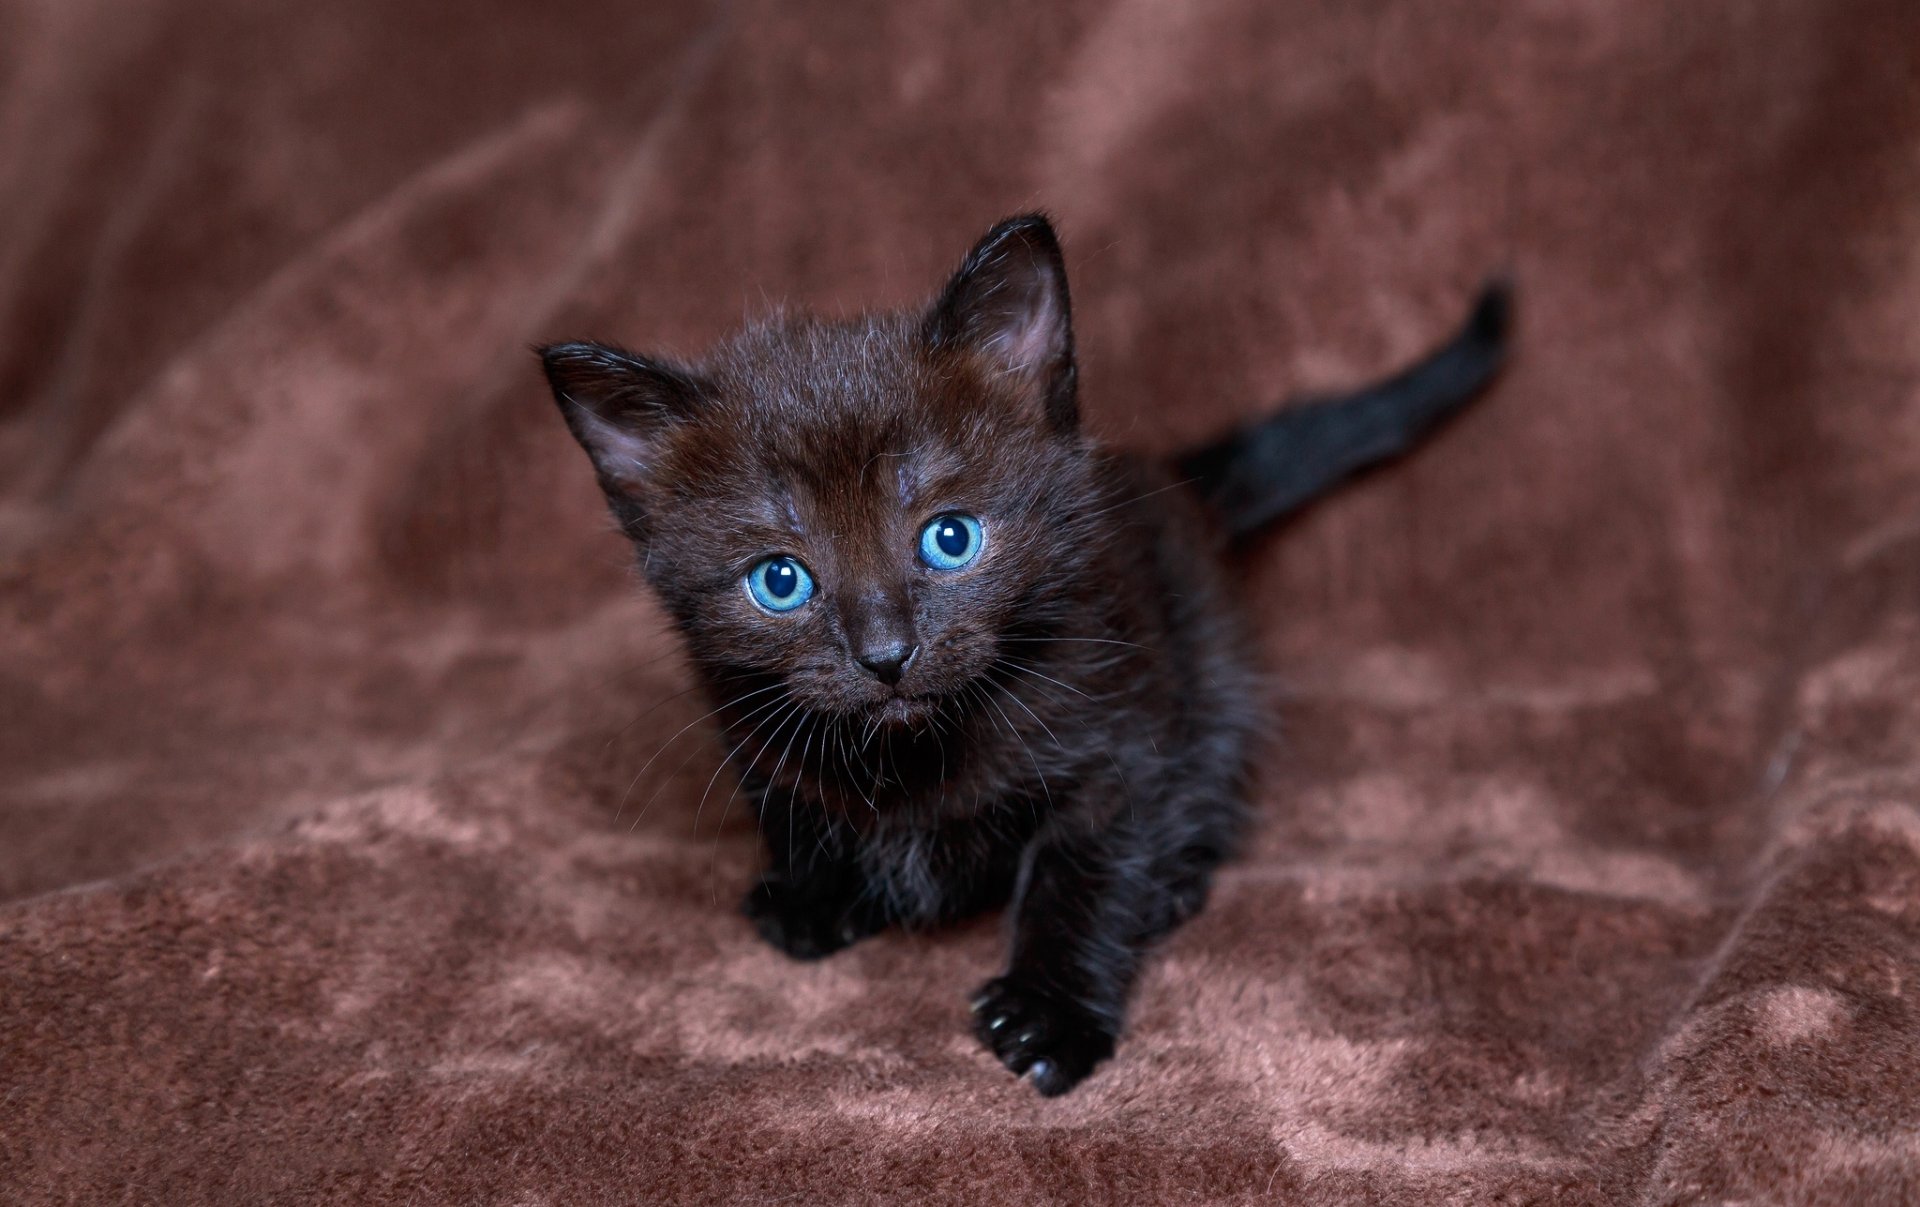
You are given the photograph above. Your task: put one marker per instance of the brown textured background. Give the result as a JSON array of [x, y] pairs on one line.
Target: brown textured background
[[1589, 871]]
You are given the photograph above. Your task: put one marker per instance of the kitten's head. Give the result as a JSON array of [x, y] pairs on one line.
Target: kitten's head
[[862, 510]]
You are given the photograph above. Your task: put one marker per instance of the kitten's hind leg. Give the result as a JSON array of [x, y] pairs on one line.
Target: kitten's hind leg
[[814, 899]]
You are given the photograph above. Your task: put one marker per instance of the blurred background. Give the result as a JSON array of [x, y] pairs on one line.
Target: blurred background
[[286, 518], [268, 274]]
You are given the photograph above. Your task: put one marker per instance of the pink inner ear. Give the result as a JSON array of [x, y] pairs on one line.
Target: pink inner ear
[[1029, 338], [619, 454]]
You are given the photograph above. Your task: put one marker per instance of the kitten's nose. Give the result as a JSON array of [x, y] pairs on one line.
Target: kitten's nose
[[888, 662]]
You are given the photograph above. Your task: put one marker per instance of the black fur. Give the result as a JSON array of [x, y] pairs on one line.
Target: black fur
[[1263, 472], [1071, 731]]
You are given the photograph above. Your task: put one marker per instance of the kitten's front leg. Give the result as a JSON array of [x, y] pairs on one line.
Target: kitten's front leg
[[1076, 948], [814, 898]]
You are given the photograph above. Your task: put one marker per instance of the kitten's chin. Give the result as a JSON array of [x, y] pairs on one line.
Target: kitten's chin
[[903, 712]]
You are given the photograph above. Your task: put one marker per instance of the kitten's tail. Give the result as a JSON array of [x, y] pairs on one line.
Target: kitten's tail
[[1278, 465]]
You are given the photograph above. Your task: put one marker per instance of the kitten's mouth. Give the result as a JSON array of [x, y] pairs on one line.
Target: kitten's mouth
[[903, 711]]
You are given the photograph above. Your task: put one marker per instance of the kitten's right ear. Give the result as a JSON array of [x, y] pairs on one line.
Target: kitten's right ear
[[1007, 308], [617, 405]]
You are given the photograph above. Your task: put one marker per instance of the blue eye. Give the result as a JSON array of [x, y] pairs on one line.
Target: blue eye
[[779, 584], [951, 541]]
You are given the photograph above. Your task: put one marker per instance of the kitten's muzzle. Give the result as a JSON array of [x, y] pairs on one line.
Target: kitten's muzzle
[[888, 662]]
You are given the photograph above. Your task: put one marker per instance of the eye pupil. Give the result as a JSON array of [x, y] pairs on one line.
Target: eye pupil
[[780, 580], [951, 538]]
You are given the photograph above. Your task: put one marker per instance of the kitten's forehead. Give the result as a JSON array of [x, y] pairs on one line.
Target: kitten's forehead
[[848, 407], [810, 369], [859, 483]]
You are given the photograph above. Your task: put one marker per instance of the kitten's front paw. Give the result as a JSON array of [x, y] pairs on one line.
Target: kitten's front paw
[[1050, 1040], [806, 925]]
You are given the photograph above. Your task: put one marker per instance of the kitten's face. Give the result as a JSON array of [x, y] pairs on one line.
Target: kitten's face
[[865, 511], [842, 516]]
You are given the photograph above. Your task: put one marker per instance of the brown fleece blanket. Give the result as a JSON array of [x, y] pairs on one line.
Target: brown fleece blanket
[[336, 864]]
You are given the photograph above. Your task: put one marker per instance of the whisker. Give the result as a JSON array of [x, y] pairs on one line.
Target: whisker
[[817, 723], [1136, 498], [643, 716], [1111, 761], [1015, 664], [713, 859], [1082, 641], [847, 760], [728, 758], [539, 704], [774, 703], [625, 796], [1020, 738], [1036, 716]]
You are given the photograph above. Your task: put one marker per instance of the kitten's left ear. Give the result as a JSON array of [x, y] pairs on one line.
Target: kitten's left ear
[[1007, 307], [618, 405]]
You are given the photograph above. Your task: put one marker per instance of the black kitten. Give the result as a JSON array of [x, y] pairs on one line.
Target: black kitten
[[962, 656]]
